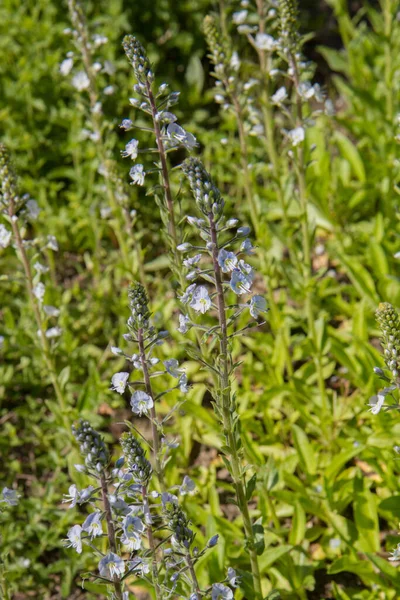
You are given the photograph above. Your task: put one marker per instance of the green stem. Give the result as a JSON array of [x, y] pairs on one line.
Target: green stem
[[152, 546], [110, 530], [227, 413], [153, 413], [36, 311], [193, 576]]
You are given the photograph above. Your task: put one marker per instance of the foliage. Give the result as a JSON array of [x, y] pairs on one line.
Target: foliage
[[291, 449]]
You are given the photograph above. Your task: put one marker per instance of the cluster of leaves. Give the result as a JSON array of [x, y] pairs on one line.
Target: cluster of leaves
[[323, 488]]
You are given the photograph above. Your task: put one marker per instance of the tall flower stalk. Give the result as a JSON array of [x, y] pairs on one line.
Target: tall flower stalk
[[87, 81], [216, 230], [19, 210]]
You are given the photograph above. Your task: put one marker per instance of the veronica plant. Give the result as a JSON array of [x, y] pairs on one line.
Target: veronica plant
[[89, 72], [219, 261], [389, 324], [143, 398], [148, 535], [155, 101], [20, 211], [8, 497]]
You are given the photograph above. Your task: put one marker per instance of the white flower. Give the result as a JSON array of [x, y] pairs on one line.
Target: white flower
[[377, 402], [232, 577], [109, 90], [126, 124], [188, 486], [111, 565], [279, 96], [92, 524], [139, 566], [74, 537], [221, 592], [131, 149], [296, 136], [235, 61], [183, 323], [51, 311], [5, 236], [239, 17], [53, 332], [395, 554], [99, 40], [242, 278], [176, 133], [39, 291], [2, 338], [10, 497], [183, 383], [40, 268], [137, 174], [265, 42], [133, 542], [141, 403], [257, 304], [189, 262], [201, 301], [52, 243], [66, 66], [172, 366], [81, 81], [116, 351], [188, 293], [119, 381], [32, 210], [227, 261]]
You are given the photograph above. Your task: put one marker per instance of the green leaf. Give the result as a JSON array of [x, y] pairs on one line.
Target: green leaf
[[365, 517], [350, 152], [304, 449], [298, 526]]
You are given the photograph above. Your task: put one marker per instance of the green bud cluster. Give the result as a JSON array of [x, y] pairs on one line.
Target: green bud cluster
[[178, 523], [139, 305], [288, 25], [389, 323], [135, 459], [8, 178], [218, 45], [138, 58], [91, 446], [205, 192]]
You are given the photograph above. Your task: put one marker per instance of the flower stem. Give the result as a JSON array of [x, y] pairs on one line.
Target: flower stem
[[153, 413], [110, 530], [152, 545], [48, 359], [227, 413], [193, 575]]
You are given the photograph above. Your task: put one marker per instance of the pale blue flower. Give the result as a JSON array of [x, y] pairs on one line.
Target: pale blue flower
[[232, 577], [183, 386], [139, 566], [74, 496], [119, 381], [189, 262], [39, 291], [183, 323], [221, 592], [201, 301], [141, 403], [132, 525], [92, 524], [188, 486], [242, 278], [5, 236], [80, 81], [131, 149], [111, 566], [9, 497], [184, 247], [395, 554], [53, 332], [126, 124], [74, 538], [172, 366], [137, 174], [227, 261], [257, 304], [132, 542], [188, 293]]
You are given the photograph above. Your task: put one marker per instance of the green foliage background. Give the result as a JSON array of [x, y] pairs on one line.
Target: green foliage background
[[328, 487]]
